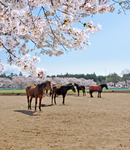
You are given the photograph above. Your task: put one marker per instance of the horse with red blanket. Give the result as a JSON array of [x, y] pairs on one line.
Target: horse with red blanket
[[97, 88]]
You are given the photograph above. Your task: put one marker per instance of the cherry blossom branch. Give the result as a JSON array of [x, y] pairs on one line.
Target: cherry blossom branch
[[52, 2], [31, 14], [3, 4], [8, 50], [52, 33], [52, 30]]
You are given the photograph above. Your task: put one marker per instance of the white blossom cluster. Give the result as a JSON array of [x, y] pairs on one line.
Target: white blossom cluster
[[49, 25], [1, 67], [29, 65]]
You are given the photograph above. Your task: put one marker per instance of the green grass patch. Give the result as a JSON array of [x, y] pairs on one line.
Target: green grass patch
[[12, 91], [70, 91], [23, 91]]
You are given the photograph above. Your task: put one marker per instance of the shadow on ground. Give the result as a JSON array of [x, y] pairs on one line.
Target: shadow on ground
[[43, 105], [27, 112]]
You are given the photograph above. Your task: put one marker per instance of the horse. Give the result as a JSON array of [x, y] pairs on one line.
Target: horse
[[97, 88], [61, 91], [80, 87], [58, 86], [36, 91]]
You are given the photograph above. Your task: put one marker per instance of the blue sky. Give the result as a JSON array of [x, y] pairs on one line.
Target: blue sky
[[109, 51]]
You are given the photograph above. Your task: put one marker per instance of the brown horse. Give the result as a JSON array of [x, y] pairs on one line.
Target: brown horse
[[37, 91], [80, 87], [97, 88], [61, 91]]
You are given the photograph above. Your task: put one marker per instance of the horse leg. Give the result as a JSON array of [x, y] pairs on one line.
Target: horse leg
[[52, 99], [35, 103], [55, 99], [78, 92], [47, 92], [84, 93], [63, 100], [91, 94], [99, 94], [40, 99], [30, 102]]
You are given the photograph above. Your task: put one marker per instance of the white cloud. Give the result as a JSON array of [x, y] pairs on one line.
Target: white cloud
[[8, 69], [40, 69], [11, 69]]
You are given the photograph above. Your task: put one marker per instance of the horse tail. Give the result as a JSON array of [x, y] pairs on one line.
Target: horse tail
[[27, 89], [52, 91]]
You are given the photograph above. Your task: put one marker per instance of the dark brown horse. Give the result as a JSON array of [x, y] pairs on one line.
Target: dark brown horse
[[97, 88], [37, 91], [80, 87], [56, 86], [61, 91]]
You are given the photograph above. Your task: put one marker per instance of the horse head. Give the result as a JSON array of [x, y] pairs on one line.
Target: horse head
[[75, 84], [72, 88], [48, 85], [106, 86]]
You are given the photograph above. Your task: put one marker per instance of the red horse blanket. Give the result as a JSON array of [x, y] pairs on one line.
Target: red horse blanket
[[95, 88]]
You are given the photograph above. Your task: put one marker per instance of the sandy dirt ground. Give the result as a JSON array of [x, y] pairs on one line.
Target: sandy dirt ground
[[83, 123]]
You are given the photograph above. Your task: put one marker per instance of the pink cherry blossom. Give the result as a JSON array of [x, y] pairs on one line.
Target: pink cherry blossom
[[52, 30]]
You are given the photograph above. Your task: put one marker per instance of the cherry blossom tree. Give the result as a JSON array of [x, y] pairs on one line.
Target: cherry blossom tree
[[23, 82], [50, 26], [80, 81]]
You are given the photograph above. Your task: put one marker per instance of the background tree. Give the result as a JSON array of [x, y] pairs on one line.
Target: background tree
[[20, 74], [3, 75], [101, 79], [126, 75], [113, 78]]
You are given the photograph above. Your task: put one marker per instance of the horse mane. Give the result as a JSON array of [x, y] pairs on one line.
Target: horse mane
[[69, 84], [42, 84], [76, 84], [103, 85]]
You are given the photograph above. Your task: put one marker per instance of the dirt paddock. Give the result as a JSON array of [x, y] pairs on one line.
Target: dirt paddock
[[84, 123]]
